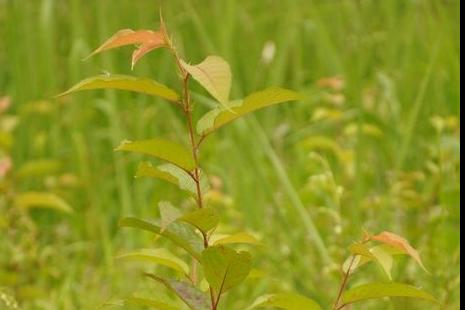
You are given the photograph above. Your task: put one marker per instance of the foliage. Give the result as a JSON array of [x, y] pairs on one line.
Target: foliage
[[222, 267]]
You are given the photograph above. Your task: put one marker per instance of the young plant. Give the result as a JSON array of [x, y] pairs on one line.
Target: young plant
[[193, 231]]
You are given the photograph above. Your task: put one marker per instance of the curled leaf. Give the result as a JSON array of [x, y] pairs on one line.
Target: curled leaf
[[400, 243], [147, 40], [214, 74]]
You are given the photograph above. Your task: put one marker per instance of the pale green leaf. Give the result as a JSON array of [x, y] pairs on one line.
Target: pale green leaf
[[191, 296], [214, 74], [360, 249], [204, 219], [225, 268], [158, 256], [125, 82], [163, 149], [151, 303], [42, 200], [384, 259], [220, 116], [169, 173], [241, 237], [286, 301], [380, 290], [176, 234], [168, 214]]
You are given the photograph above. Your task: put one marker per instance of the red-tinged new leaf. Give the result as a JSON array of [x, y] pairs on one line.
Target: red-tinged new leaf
[[146, 40], [400, 243]]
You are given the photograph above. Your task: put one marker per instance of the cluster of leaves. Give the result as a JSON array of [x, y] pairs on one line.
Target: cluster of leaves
[[23, 258], [193, 229]]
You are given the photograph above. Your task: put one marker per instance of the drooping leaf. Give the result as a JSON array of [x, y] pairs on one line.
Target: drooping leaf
[[221, 116], [191, 296], [286, 301], [204, 219], [37, 168], [158, 256], [124, 82], [176, 235], [380, 290], [163, 149], [147, 40], [214, 74], [168, 214], [169, 173], [146, 302], [42, 200], [225, 268], [384, 259], [399, 242], [241, 237]]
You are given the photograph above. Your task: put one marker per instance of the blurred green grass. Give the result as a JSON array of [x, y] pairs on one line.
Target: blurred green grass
[[400, 62]]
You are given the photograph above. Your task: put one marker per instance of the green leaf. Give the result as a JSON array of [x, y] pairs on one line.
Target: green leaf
[[384, 259], [214, 75], [360, 249], [225, 268], [42, 200], [380, 290], [241, 237], [169, 173], [286, 301], [124, 82], [151, 303], [158, 256], [168, 214], [221, 116], [204, 219], [38, 168], [163, 149], [191, 296], [179, 236]]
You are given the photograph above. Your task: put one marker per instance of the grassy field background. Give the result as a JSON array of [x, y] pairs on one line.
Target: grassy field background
[[374, 145]]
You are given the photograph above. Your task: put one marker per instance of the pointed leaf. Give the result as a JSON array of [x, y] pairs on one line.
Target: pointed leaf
[[400, 243], [158, 256], [286, 301], [42, 200], [193, 297], [204, 219], [169, 173], [163, 149], [151, 303], [124, 82], [384, 259], [147, 40], [177, 235], [380, 290], [225, 268], [241, 237], [168, 213], [214, 75], [221, 116]]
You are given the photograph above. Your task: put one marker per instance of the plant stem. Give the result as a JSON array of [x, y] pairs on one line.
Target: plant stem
[[343, 285], [195, 146]]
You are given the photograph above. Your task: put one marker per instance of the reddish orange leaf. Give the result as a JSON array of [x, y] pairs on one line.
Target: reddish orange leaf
[[147, 40], [400, 243]]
